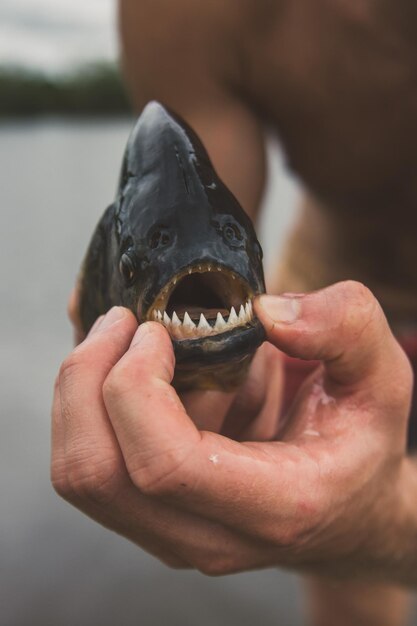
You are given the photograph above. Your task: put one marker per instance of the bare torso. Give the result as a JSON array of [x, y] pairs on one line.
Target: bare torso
[[337, 80], [349, 126]]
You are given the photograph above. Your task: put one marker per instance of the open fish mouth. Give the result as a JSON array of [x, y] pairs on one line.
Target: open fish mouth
[[203, 301]]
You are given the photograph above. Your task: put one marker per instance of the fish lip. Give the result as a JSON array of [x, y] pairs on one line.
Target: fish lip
[[234, 344]]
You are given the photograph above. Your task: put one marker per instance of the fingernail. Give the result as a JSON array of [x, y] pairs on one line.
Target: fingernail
[[285, 310], [114, 315], [142, 331]]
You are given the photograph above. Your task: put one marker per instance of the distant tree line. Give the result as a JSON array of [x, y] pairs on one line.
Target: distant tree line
[[95, 89]]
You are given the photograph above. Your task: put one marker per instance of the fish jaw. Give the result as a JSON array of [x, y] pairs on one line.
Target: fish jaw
[[207, 310]]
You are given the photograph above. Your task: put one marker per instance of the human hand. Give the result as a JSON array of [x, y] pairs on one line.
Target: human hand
[[251, 412], [325, 497]]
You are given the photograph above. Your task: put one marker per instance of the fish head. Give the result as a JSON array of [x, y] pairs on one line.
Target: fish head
[[187, 255]]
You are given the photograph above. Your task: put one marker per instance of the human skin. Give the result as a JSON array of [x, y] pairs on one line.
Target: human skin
[[335, 79], [330, 491]]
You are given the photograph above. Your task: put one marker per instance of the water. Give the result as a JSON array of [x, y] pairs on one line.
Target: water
[[57, 567]]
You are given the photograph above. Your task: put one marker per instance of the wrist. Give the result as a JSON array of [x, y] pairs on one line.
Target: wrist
[[404, 557], [386, 551], [394, 553]]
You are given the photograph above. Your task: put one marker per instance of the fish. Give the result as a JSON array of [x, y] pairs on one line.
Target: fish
[[177, 248]]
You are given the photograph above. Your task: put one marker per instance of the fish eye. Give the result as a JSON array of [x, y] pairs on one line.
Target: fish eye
[[159, 238], [127, 268], [232, 233]]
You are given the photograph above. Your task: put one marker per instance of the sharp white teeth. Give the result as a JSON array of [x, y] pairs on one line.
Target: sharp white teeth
[[175, 320], [189, 329], [188, 323], [233, 318], [220, 323], [176, 328], [203, 324]]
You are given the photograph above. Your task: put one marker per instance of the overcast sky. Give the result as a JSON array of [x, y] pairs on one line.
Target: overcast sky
[[56, 34]]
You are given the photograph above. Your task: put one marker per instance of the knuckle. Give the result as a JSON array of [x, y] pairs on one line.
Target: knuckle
[[215, 566], [356, 289], [406, 369], [159, 477], [152, 482], [111, 386], [117, 383], [401, 385], [306, 521], [60, 481], [361, 304], [408, 375], [70, 366], [360, 315], [96, 479], [292, 536], [173, 562]]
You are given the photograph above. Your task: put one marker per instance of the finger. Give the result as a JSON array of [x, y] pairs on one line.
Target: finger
[[343, 325], [83, 438], [182, 539], [167, 456], [207, 409], [58, 465], [139, 384], [254, 414], [82, 376], [176, 538], [87, 467], [83, 445]]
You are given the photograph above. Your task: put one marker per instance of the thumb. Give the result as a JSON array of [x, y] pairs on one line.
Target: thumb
[[342, 325]]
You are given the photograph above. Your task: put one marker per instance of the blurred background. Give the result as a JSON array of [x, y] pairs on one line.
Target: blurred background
[[64, 122]]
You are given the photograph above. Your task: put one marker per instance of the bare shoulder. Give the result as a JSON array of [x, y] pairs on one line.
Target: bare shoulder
[[182, 47], [337, 79]]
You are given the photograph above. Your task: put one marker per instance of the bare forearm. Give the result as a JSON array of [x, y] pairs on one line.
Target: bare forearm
[[349, 603], [404, 540], [386, 551]]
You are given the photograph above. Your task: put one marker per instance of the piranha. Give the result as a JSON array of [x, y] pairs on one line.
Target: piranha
[[177, 248]]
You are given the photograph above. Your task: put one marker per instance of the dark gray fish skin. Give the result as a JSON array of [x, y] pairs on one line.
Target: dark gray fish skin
[[173, 216]]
